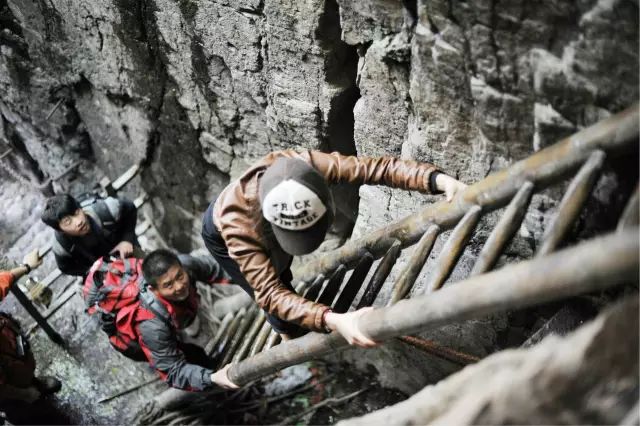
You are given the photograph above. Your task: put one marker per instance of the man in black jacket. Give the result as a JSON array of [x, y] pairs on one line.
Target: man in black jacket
[[89, 229]]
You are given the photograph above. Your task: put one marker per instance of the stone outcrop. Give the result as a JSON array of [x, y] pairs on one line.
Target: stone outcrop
[[196, 90], [589, 377]]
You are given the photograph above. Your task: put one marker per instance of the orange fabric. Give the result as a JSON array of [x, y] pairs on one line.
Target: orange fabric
[[6, 279]]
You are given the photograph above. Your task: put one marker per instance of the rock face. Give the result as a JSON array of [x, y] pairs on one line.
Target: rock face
[[195, 90], [589, 377]]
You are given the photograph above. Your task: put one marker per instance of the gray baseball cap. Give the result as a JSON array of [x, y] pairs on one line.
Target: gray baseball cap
[[296, 201]]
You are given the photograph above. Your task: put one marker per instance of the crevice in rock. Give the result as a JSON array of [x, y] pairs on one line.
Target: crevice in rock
[[469, 64], [16, 52], [189, 8], [73, 132], [119, 99], [411, 13], [29, 166], [200, 65], [156, 111], [8, 20], [260, 59], [341, 68], [52, 20], [148, 36], [492, 39]]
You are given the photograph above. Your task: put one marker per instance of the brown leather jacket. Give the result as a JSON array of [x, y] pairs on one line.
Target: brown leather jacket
[[238, 217]]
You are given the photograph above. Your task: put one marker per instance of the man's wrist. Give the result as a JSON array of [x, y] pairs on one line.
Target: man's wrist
[[433, 184], [27, 267], [324, 320]]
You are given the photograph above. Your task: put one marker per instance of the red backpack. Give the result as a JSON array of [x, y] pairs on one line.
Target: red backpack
[[111, 289], [16, 359]]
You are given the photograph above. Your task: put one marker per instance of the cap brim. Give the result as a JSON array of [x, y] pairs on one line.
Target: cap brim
[[302, 242]]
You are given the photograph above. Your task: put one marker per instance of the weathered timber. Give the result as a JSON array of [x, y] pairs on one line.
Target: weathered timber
[[53, 276], [6, 153], [240, 334], [332, 287], [143, 227], [572, 202], [250, 336], [59, 176], [543, 169], [266, 330], [354, 283], [314, 289], [126, 177], [142, 198], [35, 314], [261, 339], [453, 248], [433, 348], [504, 231], [592, 265], [222, 330], [107, 188], [380, 275], [272, 340], [68, 291], [55, 108], [630, 214], [129, 390], [411, 271], [225, 343]]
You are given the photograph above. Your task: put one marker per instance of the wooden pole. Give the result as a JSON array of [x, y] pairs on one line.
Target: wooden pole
[[594, 265]]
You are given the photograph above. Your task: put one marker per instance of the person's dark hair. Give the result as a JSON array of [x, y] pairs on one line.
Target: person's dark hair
[[157, 263], [58, 207]]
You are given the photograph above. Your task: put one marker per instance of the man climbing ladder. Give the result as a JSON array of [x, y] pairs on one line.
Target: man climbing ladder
[[282, 207]]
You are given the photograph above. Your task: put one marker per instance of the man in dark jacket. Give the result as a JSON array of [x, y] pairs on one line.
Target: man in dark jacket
[[88, 230], [169, 303]]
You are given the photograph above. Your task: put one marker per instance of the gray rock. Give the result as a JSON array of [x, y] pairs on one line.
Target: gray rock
[[368, 20], [589, 377]]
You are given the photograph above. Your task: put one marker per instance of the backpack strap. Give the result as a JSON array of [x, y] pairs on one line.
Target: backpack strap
[[150, 302], [101, 214], [66, 247], [62, 246]]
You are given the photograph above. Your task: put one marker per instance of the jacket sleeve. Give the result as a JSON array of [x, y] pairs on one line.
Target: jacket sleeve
[[67, 263], [160, 346], [128, 219], [6, 279], [203, 268], [387, 171], [239, 232]]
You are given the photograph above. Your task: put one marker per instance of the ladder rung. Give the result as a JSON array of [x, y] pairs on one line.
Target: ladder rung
[[453, 248], [126, 177]]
